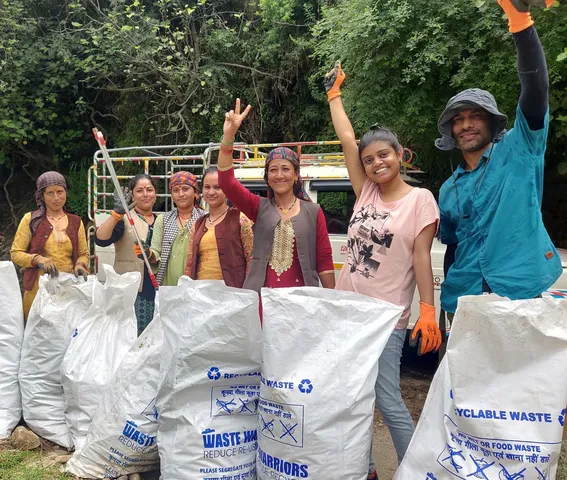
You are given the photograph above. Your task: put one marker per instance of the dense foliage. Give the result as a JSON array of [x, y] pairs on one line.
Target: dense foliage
[[164, 71]]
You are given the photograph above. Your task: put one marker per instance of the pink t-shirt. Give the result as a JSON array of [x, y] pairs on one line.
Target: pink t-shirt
[[380, 245]]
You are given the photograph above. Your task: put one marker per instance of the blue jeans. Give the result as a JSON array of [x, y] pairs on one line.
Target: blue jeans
[[389, 399]]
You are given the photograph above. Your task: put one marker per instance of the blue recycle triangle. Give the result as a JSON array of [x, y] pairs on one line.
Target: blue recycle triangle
[[150, 412]]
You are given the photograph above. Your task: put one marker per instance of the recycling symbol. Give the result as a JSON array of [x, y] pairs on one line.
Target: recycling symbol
[[561, 417], [213, 373], [305, 386], [150, 412]]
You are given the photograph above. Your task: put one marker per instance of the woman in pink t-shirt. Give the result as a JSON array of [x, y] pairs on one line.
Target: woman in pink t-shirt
[[389, 244]]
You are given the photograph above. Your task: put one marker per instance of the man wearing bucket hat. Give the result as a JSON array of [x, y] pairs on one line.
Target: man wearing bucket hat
[[491, 205]]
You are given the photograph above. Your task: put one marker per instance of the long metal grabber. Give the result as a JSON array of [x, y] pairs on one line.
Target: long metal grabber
[[102, 144]]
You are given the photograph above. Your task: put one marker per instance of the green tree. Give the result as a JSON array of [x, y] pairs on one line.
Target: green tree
[[406, 59], [41, 115], [164, 71], [174, 67]]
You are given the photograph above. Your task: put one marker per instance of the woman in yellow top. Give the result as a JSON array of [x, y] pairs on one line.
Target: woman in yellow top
[[49, 240], [220, 245]]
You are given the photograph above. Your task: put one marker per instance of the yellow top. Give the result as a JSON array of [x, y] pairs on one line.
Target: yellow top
[[209, 262], [209, 267], [57, 247]]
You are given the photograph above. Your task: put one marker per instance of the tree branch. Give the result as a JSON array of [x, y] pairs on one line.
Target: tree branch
[[253, 70], [25, 169], [7, 193], [44, 160]]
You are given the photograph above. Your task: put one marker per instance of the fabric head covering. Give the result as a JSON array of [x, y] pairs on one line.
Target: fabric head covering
[[471, 98], [48, 179], [184, 178], [284, 153]]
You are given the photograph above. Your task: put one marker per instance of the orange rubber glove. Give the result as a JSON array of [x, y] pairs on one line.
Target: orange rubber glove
[[333, 80], [517, 20], [426, 334], [518, 12], [149, 252]]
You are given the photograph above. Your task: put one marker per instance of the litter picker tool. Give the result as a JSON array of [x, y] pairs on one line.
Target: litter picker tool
[[99, 137]]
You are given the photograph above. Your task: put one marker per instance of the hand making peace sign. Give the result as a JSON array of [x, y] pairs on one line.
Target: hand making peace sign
[[233, 120]]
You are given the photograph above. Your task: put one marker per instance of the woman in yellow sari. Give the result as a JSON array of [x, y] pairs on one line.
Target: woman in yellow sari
[[49, 240]]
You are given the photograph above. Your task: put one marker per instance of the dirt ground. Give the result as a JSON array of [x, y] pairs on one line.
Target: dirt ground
[[45, 463], [414, 390]]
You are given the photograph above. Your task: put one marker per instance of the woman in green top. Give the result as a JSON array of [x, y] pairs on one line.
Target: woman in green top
[[171, 230]]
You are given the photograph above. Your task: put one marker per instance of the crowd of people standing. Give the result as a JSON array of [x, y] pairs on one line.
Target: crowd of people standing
[[493, 199]]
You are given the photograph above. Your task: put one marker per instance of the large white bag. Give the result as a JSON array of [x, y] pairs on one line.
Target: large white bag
[[11, 337], [122, 437], [101, 339], [496, 407], [210, 372], [319, 367], [57, 307]]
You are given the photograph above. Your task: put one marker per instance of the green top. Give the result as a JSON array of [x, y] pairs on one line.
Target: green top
[[178, 256]]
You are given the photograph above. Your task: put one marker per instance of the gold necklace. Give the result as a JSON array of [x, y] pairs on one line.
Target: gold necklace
[[211, 221], [56, 219], [286, 210], [59, 234]]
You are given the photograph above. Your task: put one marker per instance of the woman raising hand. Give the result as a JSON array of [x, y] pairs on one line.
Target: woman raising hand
[[389, 244], [291, 243]]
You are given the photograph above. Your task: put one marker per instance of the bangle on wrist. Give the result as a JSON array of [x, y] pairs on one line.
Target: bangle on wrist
[[225, 149], [230, 144], [116, 215]]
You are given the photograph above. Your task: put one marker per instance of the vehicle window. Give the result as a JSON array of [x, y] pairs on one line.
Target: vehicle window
[[262, 192], [337, 207], [256, 188]]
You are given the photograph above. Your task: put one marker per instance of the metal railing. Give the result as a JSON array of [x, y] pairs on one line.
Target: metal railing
[[161, 166], [254, 156]]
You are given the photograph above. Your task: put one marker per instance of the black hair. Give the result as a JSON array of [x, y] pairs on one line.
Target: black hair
[[140, 176], [379, 134], [211, 169]]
